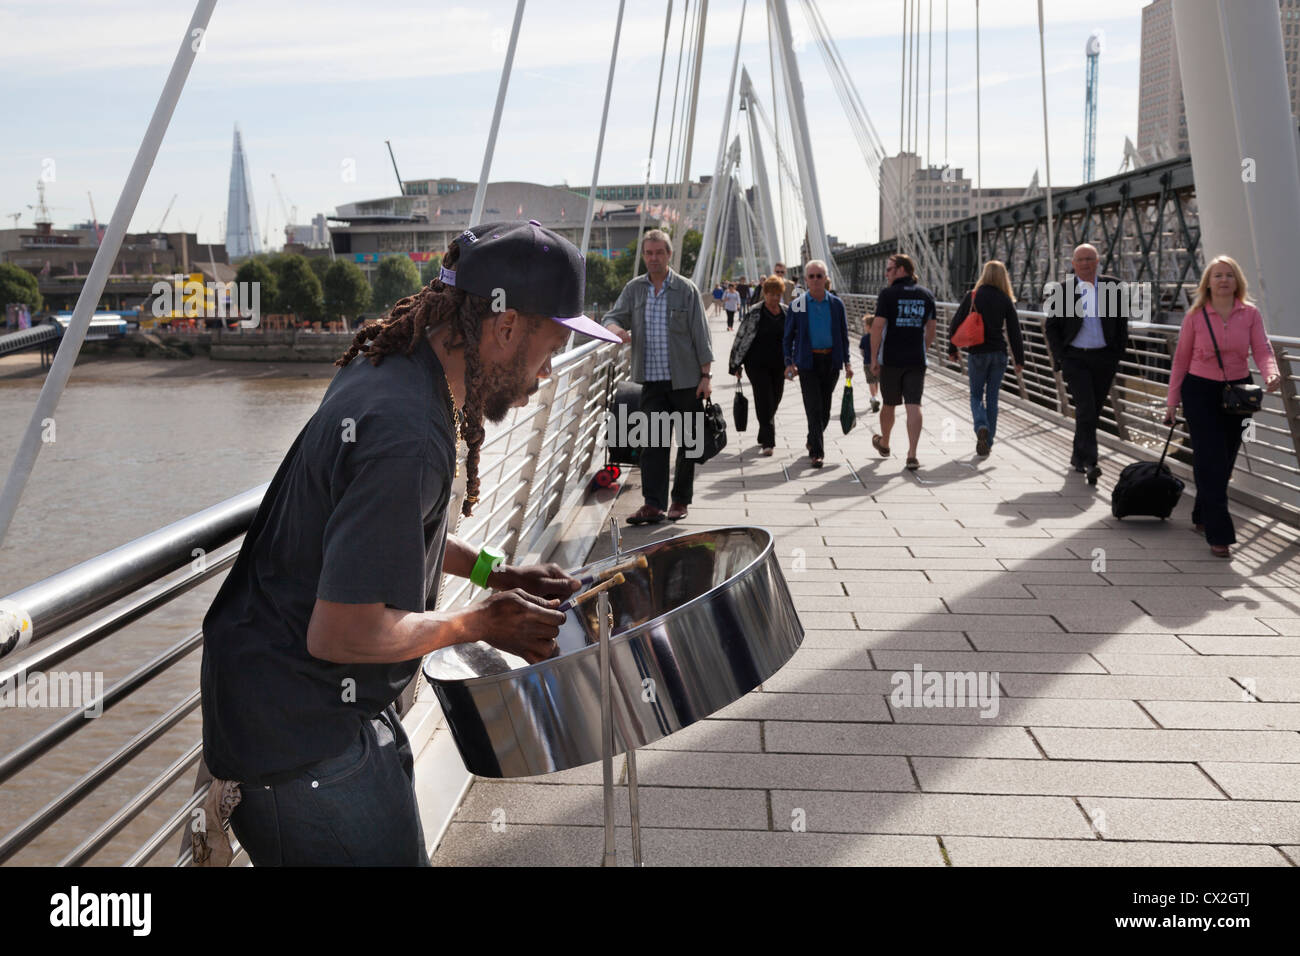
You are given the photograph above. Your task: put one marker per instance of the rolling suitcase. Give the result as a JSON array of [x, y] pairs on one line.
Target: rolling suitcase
[[1147, 488]]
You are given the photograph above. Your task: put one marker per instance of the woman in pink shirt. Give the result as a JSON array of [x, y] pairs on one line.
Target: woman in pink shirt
[[1222, 312]]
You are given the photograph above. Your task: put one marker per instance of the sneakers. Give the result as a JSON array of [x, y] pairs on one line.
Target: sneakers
[[875, 404], [982, 442], [1093, 474]]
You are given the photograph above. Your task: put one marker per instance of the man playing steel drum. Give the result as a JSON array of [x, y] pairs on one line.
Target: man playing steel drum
[[326, 614]]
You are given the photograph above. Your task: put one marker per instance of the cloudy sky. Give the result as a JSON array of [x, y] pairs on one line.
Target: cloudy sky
[[317, 86]]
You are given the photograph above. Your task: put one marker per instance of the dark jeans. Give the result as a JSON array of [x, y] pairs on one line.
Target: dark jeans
[[731, 317], [356, 809], [768, 383], [1216, 436], [1088, 375], [818, 385], [986, 370], [662, 397]]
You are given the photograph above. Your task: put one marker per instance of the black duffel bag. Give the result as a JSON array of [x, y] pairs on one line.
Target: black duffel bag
[[1147, 488], [626, 395], [715, 431]]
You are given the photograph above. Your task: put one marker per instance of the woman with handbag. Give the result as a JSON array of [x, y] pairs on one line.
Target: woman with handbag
[[1211, 379], [757, 350], [989, 314]]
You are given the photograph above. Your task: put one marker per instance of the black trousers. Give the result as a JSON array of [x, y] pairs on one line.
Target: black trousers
[[1216, 437], [662, 397], [818, 385], [768, 383], [1088, 374]]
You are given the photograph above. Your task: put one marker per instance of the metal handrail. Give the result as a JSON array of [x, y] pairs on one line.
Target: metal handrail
[[1271, 482], [543, 452]]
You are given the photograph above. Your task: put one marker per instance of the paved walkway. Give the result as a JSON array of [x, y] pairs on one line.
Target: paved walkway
[[1149, 694]]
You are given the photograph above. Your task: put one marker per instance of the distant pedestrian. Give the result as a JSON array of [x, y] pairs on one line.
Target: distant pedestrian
[[1221, 313], [986, 363], [815, 345], [778, 270], [742, 290], [902, 331], [758, 351], [662, 315], [1087, 333], [716, 305], [730, 303]]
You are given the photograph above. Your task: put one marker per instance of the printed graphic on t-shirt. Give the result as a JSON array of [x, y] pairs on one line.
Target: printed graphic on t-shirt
[[911, 313]]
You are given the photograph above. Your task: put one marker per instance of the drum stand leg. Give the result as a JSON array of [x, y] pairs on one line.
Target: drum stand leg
[[606, 730], [607, 718]]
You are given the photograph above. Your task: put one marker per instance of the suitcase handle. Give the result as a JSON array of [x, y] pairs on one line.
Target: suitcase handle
[[1168, 439]]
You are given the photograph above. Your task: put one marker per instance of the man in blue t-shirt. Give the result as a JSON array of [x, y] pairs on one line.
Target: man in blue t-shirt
[[901, 332]]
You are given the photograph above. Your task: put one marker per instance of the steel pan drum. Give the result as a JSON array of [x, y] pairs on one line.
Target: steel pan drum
[[706, 621]]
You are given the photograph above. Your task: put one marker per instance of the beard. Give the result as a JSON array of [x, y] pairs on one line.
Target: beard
[[504, 385]]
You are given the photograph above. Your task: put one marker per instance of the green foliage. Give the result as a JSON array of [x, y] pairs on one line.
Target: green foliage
[[18, 285], [396, 278], [690, 250], [603, 286], [347, 293], [319, 265], [429, 270], [256, 270], [299, 289]]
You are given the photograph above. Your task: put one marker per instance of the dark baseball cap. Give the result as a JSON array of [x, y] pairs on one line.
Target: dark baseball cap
[[538, 272]]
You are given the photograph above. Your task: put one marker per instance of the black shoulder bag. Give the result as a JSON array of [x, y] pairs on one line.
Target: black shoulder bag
[[1237, 399]]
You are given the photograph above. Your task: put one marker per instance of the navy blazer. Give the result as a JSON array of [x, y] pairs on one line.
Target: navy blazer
[[797, 345]]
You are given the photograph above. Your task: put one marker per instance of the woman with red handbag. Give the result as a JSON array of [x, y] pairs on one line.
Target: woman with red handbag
[[983, 324], [1220, 331]]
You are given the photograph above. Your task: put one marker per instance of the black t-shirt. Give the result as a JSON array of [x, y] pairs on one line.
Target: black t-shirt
[[356, 514], [765, 350], [906, 308]]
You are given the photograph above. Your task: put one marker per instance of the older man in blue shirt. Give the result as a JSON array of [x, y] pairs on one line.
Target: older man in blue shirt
[[816, 344]]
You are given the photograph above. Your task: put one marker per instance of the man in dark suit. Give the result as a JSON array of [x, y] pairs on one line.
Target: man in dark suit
[[1087, 333]]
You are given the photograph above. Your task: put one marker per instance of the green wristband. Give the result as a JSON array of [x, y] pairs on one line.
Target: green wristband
[[489, 559]]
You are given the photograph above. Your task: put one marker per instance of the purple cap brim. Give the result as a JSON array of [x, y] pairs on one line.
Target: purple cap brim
[[580, 323]]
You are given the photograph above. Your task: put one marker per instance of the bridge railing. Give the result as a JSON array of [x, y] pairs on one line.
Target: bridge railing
[[531, 468], [1267, 474]]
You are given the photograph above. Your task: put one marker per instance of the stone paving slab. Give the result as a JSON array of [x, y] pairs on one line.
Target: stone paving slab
[[993, 851], [1255, 781], [971, 814], [476, 844], [1207, 821], [1064, 777], [1148, 709]]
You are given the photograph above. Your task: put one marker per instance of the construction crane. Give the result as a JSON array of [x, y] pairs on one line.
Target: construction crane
[[1093, 51], [400, 188], [290, 212], [94, 219], [15, 216], [163, 220]]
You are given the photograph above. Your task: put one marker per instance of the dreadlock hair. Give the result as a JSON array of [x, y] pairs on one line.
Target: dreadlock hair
[[436, 306]]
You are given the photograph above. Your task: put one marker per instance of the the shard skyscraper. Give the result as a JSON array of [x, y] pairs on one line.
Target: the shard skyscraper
[[241, 217]]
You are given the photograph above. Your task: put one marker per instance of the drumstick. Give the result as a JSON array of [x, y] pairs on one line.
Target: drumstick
[[638, 562], [589, 594]]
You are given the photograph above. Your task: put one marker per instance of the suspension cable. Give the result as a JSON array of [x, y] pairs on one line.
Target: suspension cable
[[600, 138], [929, 84], [664, 204], [1047, 149], [654, 126], [979, 169]]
